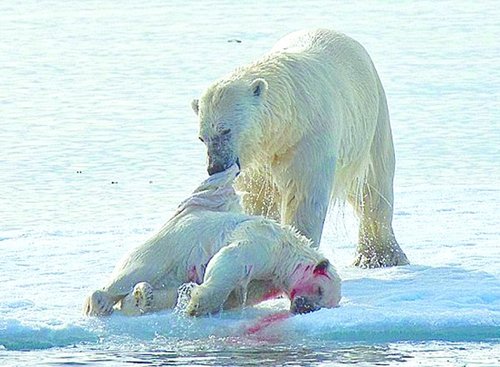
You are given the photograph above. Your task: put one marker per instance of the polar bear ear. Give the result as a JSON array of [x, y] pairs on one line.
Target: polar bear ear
[[321, 267], [259, 87], [195, 105]]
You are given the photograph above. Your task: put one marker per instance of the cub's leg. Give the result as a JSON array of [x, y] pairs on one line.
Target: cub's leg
[[257, 291], [144, 299], [225, 273]]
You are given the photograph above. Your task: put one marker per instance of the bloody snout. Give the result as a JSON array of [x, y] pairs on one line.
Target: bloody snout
[[215, 166], [302, 305]]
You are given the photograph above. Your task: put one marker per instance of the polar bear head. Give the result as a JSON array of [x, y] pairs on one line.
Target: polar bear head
[[314, 287], [230, 114]]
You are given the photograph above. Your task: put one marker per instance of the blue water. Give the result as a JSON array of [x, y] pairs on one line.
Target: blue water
[[98, 92]]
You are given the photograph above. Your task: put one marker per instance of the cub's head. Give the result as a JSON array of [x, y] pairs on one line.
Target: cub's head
[[229, 114], [314, 287]]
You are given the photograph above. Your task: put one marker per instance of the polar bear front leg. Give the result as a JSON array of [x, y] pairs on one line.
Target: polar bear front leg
[[306, 188], [306, 214], [259, 194], [373, 204]]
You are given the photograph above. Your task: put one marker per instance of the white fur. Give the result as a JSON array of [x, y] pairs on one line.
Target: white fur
[[236, 256], [318, 130]]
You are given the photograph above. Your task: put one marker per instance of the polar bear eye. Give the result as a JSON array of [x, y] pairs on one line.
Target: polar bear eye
[[225, 131], [201, 139]]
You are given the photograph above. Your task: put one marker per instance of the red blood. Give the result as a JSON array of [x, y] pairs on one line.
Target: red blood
[[266, 321], [193, 275], [321, 272], [271, 294]]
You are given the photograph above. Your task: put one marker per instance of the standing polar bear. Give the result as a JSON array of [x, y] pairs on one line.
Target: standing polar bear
[[236, 258], [308, 123]]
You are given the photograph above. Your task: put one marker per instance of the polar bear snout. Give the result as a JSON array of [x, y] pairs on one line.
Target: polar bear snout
[[216, 167], [221, 153], [301, 305], [217, 163]]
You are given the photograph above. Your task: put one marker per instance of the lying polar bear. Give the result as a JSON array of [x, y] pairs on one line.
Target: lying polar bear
[[235, 258]]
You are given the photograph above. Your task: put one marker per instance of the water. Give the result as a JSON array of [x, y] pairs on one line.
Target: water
[[98, 146]]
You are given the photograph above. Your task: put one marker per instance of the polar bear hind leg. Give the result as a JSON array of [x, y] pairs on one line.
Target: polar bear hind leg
[[373, 202]]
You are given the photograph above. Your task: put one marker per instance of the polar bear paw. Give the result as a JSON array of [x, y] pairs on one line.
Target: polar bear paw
[[184, 296], [143, 296], [99, 303], [380, 257], [139, 301]]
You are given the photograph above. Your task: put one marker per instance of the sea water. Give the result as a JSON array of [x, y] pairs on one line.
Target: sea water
[[98, 144]]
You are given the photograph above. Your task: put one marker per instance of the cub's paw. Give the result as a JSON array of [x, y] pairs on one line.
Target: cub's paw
[[184, 296], [202, 304], [139, 301], [99, 303], [195, 309]]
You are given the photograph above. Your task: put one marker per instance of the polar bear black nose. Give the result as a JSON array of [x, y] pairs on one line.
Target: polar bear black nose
[[302, 305], [215, 168]]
